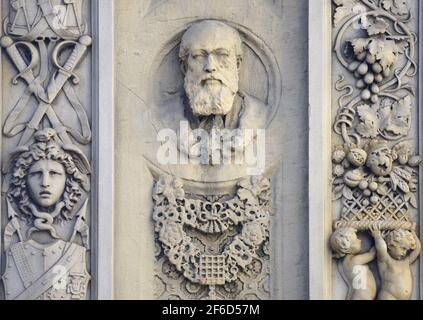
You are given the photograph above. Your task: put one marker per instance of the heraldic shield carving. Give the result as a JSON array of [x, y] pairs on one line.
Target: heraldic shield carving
[[46, 176]]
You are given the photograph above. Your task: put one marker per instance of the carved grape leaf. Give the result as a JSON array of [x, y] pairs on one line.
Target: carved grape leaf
[[399, 7], [360, 44], [396, 118], [344, 9], [385, 51], [376, 26], [369, 122]]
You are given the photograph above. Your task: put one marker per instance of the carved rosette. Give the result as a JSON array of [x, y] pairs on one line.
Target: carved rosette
[[375, 166], [210, 246], [46, 176]]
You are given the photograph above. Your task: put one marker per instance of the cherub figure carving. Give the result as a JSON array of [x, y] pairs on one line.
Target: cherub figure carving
[[45, 257], [394, 257], [356, 272]]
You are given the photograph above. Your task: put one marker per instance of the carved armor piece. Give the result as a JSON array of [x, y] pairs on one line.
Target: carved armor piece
[[46, 272]]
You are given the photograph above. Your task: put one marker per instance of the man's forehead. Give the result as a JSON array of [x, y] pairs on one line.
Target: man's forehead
[[211, 42], [210, 37]]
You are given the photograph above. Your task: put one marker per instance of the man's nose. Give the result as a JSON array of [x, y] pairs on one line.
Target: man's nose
[[210, 64]]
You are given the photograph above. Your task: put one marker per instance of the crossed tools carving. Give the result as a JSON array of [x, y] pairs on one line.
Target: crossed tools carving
[[46, 97]]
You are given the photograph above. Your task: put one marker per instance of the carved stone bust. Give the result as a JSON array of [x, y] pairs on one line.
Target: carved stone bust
[[210, 58]]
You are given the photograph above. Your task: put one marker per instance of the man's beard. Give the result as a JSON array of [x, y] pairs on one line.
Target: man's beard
[[211, 98]]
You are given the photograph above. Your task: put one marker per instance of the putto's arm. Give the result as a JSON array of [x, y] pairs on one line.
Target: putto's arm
[[416, 252], [380, 245], [365, 258]]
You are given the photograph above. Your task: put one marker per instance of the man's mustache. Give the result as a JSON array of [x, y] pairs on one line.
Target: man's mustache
[[211, 78], [214, 77]]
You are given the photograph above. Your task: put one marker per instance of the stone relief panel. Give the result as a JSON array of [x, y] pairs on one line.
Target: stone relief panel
[[46, 150], [376, 149], [212, 241], [192, 76]]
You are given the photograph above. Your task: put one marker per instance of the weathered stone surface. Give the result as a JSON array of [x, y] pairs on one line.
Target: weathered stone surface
[[149, 100]]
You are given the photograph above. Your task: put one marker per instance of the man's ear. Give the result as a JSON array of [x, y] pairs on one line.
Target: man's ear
[[183, 66], [239, 62]]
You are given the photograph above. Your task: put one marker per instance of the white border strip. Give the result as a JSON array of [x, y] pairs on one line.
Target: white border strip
[[105, 146], [320, 132]]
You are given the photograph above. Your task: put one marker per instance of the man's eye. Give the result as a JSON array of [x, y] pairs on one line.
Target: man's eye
[[222, 54]]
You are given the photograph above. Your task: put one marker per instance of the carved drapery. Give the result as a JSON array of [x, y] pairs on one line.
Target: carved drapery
[[375, 165], [46, 175]]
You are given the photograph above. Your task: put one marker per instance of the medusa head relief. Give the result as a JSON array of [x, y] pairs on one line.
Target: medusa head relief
[[48, 180]]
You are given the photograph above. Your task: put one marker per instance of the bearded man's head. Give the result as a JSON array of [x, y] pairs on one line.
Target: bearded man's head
[[210, 56]]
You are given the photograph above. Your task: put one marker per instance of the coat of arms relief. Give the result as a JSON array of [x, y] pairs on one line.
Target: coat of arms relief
[[375, 164], [46, 176]]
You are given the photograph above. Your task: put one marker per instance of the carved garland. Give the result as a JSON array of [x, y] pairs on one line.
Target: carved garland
[[174, 211]]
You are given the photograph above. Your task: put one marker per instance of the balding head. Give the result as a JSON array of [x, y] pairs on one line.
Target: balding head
[[210, 34], [210, 57]]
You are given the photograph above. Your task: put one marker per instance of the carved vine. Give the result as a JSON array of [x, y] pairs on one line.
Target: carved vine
[[375, 170]]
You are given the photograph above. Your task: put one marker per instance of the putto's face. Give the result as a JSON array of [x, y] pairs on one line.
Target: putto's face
[[398, 252], [46, 182], [211, 70]]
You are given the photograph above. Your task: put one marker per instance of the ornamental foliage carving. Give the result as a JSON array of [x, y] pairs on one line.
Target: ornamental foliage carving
[[375, 168]]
